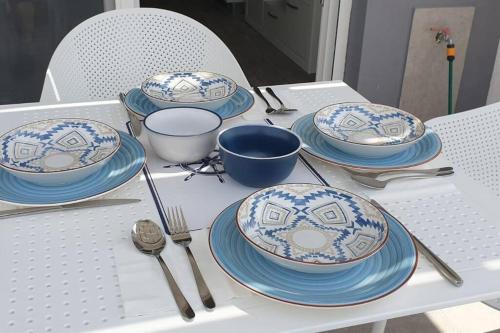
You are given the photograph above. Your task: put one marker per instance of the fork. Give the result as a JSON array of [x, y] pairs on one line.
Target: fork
[[380, 184], [180, 235], [269, 108], [282, 108]]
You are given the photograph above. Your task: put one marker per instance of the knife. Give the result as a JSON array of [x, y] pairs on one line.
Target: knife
[[446, 271], [79, 205]]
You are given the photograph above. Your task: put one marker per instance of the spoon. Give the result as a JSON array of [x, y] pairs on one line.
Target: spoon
[[149, 239]]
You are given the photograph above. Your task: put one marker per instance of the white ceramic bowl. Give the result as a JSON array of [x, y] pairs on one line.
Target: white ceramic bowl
[[311, 228], [182, 135], [58, 151], [368, 130], [189, 89]]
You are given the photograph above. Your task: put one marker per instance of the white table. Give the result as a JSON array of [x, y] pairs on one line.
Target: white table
[[59, 271]]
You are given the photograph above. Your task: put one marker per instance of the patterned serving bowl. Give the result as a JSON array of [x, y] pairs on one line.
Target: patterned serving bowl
[[311, 228], [184, 89], [58, 151], [368, 130]]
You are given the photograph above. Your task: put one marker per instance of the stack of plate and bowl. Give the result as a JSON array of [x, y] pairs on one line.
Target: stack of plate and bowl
[[312, 245], [60, 161], [367, 136]]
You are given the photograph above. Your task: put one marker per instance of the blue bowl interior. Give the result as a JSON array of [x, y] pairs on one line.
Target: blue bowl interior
[[259, 141]]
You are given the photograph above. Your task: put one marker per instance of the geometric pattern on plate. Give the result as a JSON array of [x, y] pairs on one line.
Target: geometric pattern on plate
[[369, 124], [189, 87], [57, 145], [315, 144], [240, 102], [124, 165], [373, 278], [312, 223]]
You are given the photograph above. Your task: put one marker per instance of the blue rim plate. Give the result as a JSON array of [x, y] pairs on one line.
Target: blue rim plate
[[376, 277], [240, 102], [125, 164], [426, 149]]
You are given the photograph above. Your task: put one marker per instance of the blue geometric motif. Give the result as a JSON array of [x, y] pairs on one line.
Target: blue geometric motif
[[366, 123], [311, 223], [34, 146]]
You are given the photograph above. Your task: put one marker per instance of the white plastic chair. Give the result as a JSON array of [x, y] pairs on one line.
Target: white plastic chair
[[115, 51], [471, 142]]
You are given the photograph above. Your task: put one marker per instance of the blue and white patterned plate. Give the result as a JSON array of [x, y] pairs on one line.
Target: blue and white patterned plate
[[58, 151], [368, 124], [378, 276], [239, 103], [311, 228], [123, 166], [194, 88], [426, 149]]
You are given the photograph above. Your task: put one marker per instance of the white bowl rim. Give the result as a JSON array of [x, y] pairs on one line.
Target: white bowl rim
[[321, 264], [259, 158], [109, 156], [195, 102], [183, 135], [367, 144]]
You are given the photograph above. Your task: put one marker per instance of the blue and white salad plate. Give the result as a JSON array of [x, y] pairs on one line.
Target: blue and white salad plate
[[312, 228], [58, 151], [376, 277], [366, 129], [424, 150], [240, 102], [197, 89], [125, 164]]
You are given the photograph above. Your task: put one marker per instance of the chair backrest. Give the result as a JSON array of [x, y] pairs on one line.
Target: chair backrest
[[115, 51], [471, 141]]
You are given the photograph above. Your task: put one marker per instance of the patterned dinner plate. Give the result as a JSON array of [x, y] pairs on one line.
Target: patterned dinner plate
[[424, 150], [239, 103], [125, 164], [312, 228], [378, 276]]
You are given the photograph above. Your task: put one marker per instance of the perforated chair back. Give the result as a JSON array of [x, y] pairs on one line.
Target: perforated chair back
[[115, 51], [471, 141]]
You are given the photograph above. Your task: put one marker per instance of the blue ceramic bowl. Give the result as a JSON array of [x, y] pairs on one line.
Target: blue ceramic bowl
[[258, 155]]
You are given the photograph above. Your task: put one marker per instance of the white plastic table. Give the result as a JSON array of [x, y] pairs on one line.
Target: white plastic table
[[59, 271]]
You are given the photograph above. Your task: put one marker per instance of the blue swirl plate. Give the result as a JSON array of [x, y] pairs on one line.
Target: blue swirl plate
[[376, 277], [424, 150], [125, 164], [240, 102]]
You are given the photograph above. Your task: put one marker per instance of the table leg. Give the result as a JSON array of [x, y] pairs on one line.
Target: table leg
[[379, 326]]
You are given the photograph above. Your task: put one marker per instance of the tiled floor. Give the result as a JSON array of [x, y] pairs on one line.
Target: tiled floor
[[469, 318], [262, 63]]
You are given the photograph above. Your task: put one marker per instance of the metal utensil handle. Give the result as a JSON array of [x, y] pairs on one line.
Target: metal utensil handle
[[423, 175], [271, 92], [446, 271], [179, 298], [206, 297], [399, 171], [29, 211], [259, 93]]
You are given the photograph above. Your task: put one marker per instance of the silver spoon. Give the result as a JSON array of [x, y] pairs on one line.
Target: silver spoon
[[149, 239]]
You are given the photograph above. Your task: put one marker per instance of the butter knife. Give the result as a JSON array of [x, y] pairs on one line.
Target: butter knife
[[446, 271], [79, 205]]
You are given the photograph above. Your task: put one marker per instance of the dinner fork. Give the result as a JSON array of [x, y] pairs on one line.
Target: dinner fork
[[180, 235], [380, 184]]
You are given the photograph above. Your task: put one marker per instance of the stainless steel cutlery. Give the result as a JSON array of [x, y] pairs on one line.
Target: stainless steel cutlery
[[446, 271], [269, 108], [149, 239], [180, 235], [79, 205], [369, 179]]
